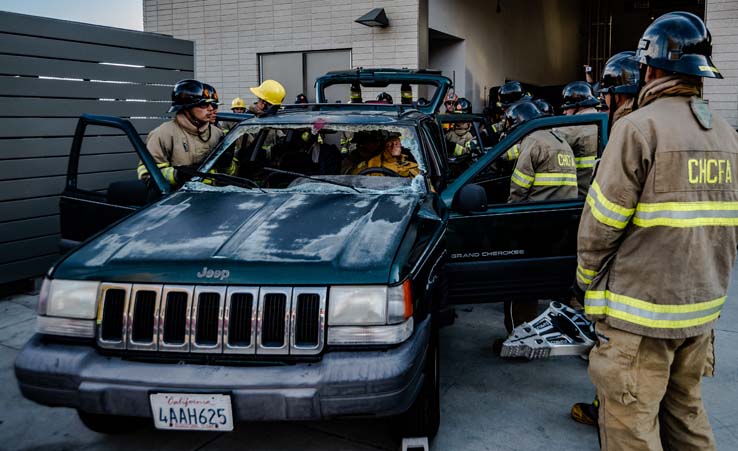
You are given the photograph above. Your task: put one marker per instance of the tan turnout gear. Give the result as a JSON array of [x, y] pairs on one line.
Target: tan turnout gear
[[649, 392], [545, 169], [401, 165], [625, 109], [664, 194], [176, 143], [460, 138], [512, 153], [583, 141]]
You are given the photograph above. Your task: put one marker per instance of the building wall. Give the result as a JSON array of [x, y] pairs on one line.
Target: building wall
[[535, 41], [52, 72], [722, 21], [230, 34]]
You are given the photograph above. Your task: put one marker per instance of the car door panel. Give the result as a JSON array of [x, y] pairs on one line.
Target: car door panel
[[513, 251], [83, 213]]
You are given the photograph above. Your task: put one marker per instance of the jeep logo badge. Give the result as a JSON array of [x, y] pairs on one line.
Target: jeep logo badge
[[220, 274]]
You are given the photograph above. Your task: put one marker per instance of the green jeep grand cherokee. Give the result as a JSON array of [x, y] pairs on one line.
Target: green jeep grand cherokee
[[307, 287]]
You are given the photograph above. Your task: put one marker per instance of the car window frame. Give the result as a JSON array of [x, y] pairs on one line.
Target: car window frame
[[549, 122]]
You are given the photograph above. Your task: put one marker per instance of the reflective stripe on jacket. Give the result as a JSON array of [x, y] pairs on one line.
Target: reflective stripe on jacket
[[583, 140], [657, 239], [544, 170], [512, 153]]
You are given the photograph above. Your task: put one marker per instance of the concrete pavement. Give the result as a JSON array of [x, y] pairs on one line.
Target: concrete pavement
[[487, 403]]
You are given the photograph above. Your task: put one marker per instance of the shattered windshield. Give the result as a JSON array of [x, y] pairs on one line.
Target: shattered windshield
[[319, 157]]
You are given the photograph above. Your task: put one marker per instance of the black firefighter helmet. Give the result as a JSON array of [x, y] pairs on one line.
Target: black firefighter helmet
[[578, 94], [189, 94], [521, 112], [678, 42], [463, 106], [620, 75], [509, 93], [544, 107]]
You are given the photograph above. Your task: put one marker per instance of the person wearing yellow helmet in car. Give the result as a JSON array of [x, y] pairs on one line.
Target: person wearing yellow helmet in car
[[269, 96]]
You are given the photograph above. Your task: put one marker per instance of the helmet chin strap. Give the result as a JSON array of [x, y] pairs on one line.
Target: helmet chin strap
[[198, 123], [612, 106], [641, 83], [193, 120]]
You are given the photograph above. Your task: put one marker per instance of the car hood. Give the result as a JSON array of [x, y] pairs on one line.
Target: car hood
[[254, 238]]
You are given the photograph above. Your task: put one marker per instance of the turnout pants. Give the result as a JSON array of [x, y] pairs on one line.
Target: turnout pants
[[649, 391]]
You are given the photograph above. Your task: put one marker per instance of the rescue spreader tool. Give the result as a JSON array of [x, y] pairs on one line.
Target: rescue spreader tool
[[559, 330]]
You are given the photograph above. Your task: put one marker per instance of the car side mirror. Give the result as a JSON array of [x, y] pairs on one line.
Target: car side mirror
[[470, 198]]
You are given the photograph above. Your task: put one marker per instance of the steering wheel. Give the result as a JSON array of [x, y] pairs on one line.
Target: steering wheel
[[379, 170]]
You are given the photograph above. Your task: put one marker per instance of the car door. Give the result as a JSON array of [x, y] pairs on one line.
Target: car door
[[87, 208], [511, 251]]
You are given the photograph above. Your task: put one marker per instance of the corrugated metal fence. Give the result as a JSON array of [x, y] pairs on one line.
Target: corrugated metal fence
[[51, 71]]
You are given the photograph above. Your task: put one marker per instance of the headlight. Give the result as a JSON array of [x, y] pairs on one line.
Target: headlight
[[370, 314], [68, 299], [357, 305]]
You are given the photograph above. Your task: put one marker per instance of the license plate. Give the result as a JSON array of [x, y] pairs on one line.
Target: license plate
[[190, 412]]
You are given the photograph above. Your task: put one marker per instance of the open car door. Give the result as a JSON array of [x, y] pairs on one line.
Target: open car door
[[87, 208], [512, 251]]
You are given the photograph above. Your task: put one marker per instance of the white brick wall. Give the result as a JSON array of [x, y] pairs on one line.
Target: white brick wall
[[229, 34], [722, 21]]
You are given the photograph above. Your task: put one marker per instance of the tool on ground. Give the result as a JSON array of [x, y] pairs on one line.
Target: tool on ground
[[559, 330]]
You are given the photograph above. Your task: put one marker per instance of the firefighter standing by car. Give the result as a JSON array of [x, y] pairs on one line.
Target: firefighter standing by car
[[188, 138], [544, 170], [238, 106], [657, 244], [460, 140], [509, 93], [578, 98], [619, 85], [449, 106]]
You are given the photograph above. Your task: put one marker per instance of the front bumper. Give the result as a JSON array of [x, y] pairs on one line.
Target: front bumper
[[342, 383]]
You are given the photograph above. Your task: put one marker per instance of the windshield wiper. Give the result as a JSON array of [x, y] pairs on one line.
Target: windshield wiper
[[297, 174], [241, 182]]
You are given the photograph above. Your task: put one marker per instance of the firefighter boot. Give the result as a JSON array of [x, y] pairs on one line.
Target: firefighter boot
[[586, 413]]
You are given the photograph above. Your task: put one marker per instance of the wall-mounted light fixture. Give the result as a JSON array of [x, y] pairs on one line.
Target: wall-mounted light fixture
[[374, 18]]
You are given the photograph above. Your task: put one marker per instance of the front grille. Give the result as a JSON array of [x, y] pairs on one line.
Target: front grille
[[208, 305], [273, 325], [239, 320], [113, 315], [142, 329], [212, 319], [175, 312], [306, 319]]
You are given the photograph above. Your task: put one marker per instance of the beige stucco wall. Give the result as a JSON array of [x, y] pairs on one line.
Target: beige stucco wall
[[722, 21], [534, 41], [230, 34]]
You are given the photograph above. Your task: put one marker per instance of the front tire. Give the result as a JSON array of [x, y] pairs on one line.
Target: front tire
[[423, 417]]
